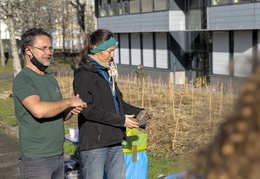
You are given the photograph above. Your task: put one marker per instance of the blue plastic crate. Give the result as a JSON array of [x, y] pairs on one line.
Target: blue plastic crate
[[176, 176]]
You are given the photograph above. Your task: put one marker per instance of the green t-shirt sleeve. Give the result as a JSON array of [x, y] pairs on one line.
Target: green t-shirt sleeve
[[24, 87]]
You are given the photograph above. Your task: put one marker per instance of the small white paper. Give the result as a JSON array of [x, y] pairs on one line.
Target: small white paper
[[74, 135]]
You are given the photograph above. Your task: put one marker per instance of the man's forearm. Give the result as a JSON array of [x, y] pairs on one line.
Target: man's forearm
[[46, 109]]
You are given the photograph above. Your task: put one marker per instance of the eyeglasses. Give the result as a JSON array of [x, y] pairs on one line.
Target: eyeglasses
[[44, 49]]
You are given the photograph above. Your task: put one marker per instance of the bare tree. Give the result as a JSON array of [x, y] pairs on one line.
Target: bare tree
[[7, 14], [85, 14], [19, 15], [90, 17], [2, 49], [80, 7]]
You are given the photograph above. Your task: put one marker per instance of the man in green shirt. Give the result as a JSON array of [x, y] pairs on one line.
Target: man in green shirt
[[40, 110]]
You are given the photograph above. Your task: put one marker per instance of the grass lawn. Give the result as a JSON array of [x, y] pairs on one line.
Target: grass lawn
[[159, 163], [8, 69]]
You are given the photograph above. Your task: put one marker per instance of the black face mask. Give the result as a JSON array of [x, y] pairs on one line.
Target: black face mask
[[38, 64]]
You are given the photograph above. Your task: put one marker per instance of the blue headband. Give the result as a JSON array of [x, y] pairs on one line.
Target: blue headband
[[109, 43]]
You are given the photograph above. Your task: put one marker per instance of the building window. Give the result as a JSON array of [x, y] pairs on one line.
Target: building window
[[223, 2], [103, 8], [121, 7], [160, 5], [124, 7], [113, 8], [197, 4], [134, 6], [241, 1], [220, 2], [147, 5]]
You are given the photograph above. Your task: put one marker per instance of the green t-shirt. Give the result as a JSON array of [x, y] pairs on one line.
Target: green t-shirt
[[38, 137]]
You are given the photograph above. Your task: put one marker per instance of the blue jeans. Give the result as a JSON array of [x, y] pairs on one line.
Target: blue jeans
[[105, 162], [42, 168]]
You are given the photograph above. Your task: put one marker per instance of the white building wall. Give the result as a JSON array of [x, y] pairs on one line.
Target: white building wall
[[220, 54], [177, 20], [148, 53], [242, 53], [148, 22], [161, 50], [4, 31], [116, 52], [238, 16], [124, 49], [257, 15], [135, 49]]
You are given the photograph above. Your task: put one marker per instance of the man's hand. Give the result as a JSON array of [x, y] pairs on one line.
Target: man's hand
[[76, 106], [77, 102]]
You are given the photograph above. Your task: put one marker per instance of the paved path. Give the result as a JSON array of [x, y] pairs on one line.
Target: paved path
[[9, 153], [6, 76]]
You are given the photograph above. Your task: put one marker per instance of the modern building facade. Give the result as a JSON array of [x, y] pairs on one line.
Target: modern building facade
[[4, 31], [181, 40], [236, 37], [5, 36]]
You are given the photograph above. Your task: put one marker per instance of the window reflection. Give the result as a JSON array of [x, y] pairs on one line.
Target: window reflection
[[160, 5], [147, 5], [125, 6], [119, 7], [103, 8], [196, 4], [223, 2], [134, 6], [113, 8]]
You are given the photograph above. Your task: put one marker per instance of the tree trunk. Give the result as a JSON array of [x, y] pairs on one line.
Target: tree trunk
[[16, 59], [64, 33], [2, 51]]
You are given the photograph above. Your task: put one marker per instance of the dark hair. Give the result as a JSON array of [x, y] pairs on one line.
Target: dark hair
[[92, 39], [234, 153], [28, 37]]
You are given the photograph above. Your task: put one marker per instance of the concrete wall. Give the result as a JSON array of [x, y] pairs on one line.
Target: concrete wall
[[164, 75], [220, 54], [237, 16], [227, 82], [163, 21]]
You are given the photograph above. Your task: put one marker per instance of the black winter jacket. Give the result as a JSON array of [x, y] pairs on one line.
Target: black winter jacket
[[99, 124]]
